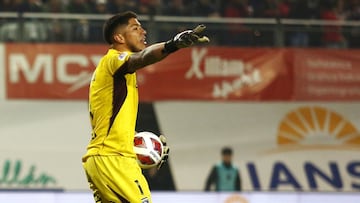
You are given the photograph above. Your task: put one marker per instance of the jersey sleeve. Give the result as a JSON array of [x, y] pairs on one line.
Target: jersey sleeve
[[118, 62]]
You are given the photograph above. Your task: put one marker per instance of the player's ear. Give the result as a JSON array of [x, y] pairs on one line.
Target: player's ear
[[119, 38]]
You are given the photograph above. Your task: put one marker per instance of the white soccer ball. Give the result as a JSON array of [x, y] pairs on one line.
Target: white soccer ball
[[148, 149]]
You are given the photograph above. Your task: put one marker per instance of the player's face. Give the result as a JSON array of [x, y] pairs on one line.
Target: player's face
[[135, 36]]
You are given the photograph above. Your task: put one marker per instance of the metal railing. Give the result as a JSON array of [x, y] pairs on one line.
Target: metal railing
[[87, 28]]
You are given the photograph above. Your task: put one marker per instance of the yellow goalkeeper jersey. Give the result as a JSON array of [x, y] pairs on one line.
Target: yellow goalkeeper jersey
[[113, 106]]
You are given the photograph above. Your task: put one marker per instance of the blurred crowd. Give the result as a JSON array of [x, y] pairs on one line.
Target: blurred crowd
[[233, 34]]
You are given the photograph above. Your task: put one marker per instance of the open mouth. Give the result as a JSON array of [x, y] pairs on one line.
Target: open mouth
[[144, 40]]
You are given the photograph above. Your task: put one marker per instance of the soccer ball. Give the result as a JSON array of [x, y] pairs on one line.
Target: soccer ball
[[148, 149]]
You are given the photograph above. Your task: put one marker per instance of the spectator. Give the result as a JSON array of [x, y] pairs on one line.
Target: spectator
[[54, 6], [224, 175], [78, 6], [332, 35], [237, 9], [149, 7], [100, 7], [176, 8], [95, 32], [173, 8], [300, 37], [9, 30], [56, 31], [17, 5], [352, 12], [265, 9], [204, 8], [315, 37], [237, 34], [21, 5], [118, 6], [284, 8], [80, 28], [56, 28], [32, 6], [34, 29], [7, 6]]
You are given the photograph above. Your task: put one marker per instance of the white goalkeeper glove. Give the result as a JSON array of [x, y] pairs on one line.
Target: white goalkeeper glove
[[165, 154], [186, 38]]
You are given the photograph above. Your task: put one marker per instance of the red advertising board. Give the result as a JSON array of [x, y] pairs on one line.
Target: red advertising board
[[50, 71], [326, 74], [218, 74], [63, 71]]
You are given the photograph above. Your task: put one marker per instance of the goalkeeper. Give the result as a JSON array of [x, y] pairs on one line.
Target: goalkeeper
[[110, 162]]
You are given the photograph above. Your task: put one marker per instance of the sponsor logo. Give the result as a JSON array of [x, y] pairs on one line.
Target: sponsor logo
[[316, 128], [49, 69], [234, 74], [317, 150], [13, 174], [122, 56]]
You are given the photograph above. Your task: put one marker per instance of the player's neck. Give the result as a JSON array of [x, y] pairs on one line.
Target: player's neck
[[119, 47]]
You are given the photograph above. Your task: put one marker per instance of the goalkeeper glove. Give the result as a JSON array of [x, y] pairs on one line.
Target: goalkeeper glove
[[165, 154], [186, 38]]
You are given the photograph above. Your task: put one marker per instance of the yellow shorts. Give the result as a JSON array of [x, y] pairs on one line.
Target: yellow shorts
[[116, 179]]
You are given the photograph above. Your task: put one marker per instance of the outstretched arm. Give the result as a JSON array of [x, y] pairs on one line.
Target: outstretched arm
[[159, 51], [149, 55]]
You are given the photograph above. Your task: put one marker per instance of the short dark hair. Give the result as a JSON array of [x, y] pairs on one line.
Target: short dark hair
[[226, 151], [112, 23]]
